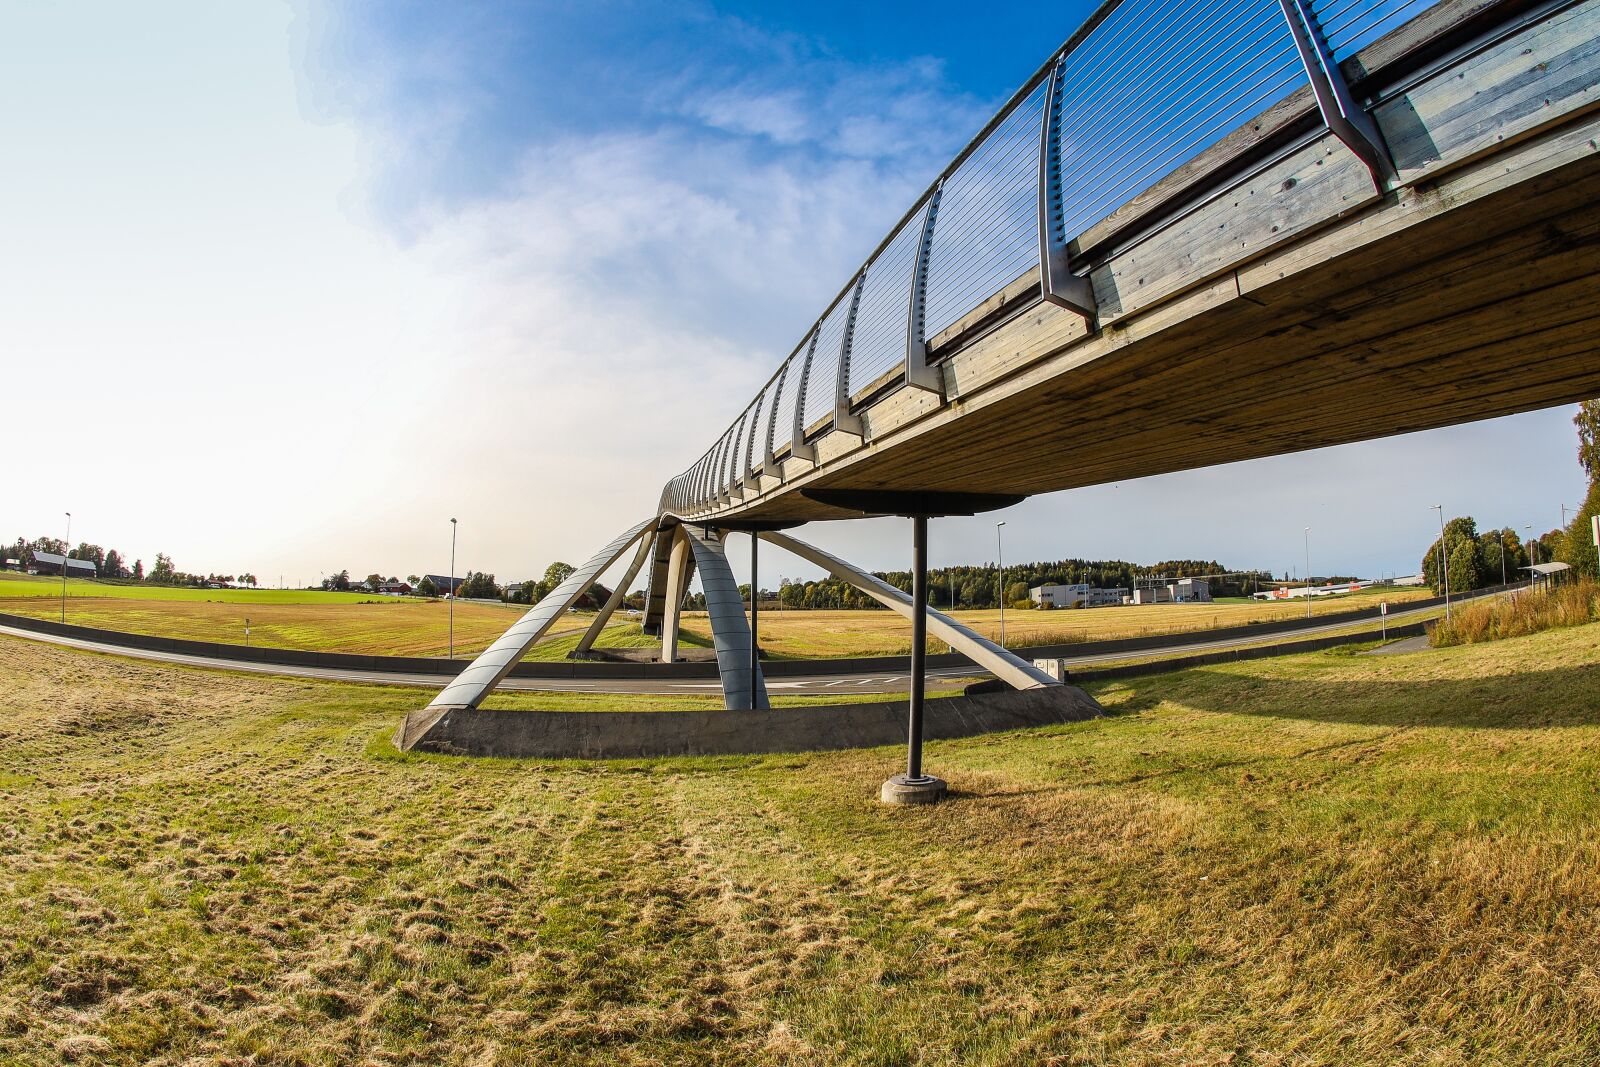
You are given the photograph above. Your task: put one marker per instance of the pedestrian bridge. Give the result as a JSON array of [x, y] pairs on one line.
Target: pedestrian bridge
[[1202, 232]]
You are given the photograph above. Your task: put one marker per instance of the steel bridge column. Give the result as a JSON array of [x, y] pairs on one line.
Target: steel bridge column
[[677, 586]]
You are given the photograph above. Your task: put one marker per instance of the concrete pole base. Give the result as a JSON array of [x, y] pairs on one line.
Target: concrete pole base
[[903, 790]]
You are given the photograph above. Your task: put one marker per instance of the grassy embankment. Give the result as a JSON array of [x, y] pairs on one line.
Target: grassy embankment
[[1526, 612], [363, 623], [1315, 859]]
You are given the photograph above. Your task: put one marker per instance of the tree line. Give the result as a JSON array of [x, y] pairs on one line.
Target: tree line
[[1473, 560], [113, 565]]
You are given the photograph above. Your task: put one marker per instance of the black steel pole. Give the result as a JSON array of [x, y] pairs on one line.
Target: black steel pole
[[919, 642], [755, 597]]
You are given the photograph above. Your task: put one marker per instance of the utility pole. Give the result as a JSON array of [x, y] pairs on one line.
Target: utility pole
[[1001, 556], [1308, 572], [1444, 561], [66, 546], [452, 590]]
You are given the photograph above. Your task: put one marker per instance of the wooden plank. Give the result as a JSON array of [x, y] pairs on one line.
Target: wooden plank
[[1543, 75], [1308, 189]]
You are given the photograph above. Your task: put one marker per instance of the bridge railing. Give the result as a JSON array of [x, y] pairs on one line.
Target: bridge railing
[[1143, 87]]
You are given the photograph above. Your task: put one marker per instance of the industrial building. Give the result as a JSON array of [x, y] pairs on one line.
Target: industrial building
[[1075, 596], [1180, 591]]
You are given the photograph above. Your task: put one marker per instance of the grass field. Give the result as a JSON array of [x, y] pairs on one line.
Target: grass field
[[1321, 859], [280, 618], [812, 634], [363, 623]]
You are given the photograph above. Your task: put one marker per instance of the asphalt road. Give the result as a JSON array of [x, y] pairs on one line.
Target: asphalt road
[[888, 682]]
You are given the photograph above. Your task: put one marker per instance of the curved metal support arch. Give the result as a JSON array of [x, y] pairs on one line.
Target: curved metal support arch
[[799, 447], [586, 642], [743, 687], [1013, 670], [469, 687]]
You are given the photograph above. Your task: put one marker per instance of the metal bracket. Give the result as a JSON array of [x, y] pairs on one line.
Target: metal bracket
[[919, 375], [844, 419], [1345, 119], [1058, 284], [799, 447], [769, 462]]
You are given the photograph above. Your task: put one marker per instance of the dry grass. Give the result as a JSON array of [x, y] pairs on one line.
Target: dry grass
[[814, 634], [1527, 612], [382, 626], [1312, 860]]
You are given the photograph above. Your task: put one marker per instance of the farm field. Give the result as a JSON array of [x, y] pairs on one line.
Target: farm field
[[814, 634], [288, 618], [1313, 859], [363, 623]]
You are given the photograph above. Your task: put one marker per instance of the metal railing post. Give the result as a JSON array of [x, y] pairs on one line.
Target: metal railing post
[[1345, 119], [845, 420], [799, 447], [919, 375], [1057, 283], [769, 463]]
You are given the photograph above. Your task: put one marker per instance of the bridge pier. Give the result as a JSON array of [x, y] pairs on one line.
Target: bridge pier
[[915, 787]]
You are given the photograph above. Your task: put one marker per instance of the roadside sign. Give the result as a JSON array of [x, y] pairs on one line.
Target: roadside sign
[[1594, 528], [1383, 608], [1383, 614]]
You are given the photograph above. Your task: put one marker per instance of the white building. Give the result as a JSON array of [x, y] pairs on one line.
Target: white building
[[1181, 591], [1074, 596]]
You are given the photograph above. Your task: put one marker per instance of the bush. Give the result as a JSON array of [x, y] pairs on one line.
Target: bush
[[1526, 612]]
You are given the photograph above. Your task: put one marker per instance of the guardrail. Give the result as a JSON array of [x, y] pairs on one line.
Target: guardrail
[[1143, 87]]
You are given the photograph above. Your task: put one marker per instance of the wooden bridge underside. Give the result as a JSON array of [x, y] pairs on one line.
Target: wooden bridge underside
[[1326, 311]]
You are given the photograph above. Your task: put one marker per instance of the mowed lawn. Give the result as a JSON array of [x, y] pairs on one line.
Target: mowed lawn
[[1322, 859], [808, 634], [311, 620]]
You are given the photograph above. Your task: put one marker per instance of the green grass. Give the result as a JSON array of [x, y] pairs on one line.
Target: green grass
[[616, 635], [1319, 859], [27, 585]]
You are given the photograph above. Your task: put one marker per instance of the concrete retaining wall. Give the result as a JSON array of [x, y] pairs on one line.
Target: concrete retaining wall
[[635, 734]]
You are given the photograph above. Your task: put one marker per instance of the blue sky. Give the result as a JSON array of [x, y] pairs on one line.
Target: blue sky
[[278, 237]]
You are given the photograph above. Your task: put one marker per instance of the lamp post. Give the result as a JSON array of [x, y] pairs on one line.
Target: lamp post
[[1533, 550], [1444, 561], [452, 590], [66, 546], [1000, 555], [1308, 572]]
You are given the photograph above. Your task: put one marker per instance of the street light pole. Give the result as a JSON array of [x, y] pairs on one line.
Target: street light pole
[[1001, 556], [1532, 552], [452, 589], [1308, 572], [1444, 561], [66, 546]]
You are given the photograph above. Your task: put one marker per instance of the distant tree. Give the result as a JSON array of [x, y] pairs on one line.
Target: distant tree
[[114, 567], [413, 580], [425, 587], [1463, 566], [162, 572], [479, 586], [373, 581], [1017, 591], [138, 570], [557, 573], [1588, 422]]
